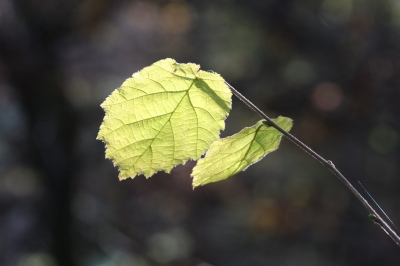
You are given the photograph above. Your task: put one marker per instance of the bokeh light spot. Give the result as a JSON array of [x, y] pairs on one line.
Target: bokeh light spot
[[327, 96], [383, 139], [395, 10], [78, 92], [142, 15], [36, 259], [175, 18], [21, 182], [336, 11], [299, 191], [165, 247], [299, 73], [264, 216]]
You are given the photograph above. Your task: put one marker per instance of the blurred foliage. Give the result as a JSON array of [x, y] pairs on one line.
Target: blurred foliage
[[333, 66]]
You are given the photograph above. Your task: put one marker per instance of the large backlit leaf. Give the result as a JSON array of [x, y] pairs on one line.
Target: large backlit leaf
[[233, 154], [164, 115]]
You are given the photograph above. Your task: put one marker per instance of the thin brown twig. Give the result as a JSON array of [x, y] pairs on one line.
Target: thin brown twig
[[373, 213]]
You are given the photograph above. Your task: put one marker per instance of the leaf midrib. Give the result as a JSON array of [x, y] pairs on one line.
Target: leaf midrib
[[169, 119]]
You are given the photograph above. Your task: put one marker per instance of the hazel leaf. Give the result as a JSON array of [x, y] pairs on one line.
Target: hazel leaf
[[162, 116], [233, 154]]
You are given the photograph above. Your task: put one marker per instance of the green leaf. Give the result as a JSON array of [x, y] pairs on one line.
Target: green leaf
[[164, 115], [233, 154]]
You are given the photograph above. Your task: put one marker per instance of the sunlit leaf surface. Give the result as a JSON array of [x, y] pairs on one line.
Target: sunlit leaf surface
[[233, 154], [162, 116]]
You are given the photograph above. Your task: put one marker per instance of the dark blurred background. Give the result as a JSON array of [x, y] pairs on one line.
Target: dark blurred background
[[331, 65]]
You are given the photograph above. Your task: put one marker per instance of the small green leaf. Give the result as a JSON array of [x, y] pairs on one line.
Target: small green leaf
[[233, 154], [164, 115]]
